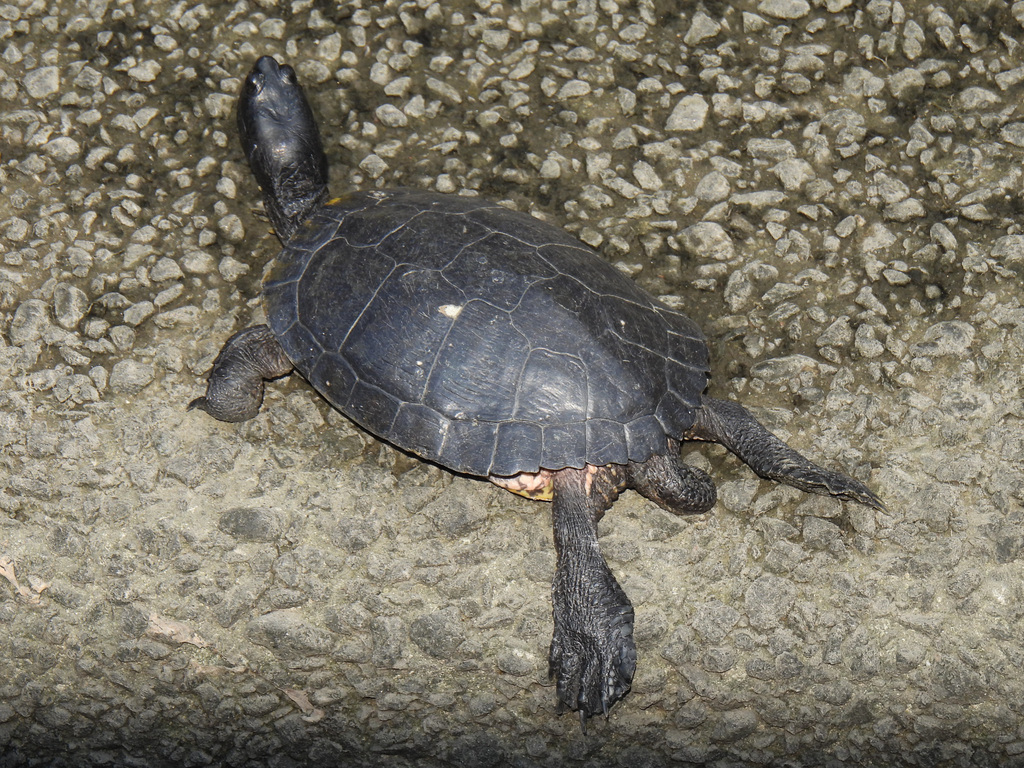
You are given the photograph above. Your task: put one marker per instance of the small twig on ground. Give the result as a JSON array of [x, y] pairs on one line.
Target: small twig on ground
[[37, 584]]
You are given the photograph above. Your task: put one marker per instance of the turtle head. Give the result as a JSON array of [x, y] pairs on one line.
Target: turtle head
[[281, 140]]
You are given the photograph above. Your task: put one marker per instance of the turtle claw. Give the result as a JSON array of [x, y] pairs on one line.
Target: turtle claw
[[828, 483], [849, 489], [593, 665]]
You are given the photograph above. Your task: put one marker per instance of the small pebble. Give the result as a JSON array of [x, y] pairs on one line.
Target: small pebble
[[130, 376], [391, 116], [689, 114], [146, 72], [975, 98], [866, 343], [793, 173], [137, 313], [70, 304], [906, 84], [784, 9], [30, 321], [231, 228], [43, 82], [702, 27], [165, 269], [63, 149], [713, 187]]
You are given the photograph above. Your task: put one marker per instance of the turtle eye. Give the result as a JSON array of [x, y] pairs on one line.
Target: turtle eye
[[288, 75], [256, 81]]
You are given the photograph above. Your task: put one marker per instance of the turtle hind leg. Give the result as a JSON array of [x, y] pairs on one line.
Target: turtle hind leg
[[732, 425], [234, 390], [593, 656], [673, 485]]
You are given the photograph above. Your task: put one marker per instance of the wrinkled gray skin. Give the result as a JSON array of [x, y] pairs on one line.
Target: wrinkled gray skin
[[592, 655]]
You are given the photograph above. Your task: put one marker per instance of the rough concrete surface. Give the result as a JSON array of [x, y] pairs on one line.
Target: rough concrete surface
[[831, 188]]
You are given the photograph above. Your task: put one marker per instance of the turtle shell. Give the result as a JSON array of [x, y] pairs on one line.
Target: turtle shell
[[481, 338]]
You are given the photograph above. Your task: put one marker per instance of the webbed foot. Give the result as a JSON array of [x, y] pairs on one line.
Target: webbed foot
[[592, 657], [234, 390]]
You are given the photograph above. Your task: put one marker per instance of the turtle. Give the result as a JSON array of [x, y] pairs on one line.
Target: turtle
[[495, 345]]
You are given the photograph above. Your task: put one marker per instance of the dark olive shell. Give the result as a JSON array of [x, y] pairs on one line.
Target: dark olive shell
[[481, 338]]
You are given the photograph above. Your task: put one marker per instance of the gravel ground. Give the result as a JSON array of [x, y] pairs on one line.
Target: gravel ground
[[832, 188]]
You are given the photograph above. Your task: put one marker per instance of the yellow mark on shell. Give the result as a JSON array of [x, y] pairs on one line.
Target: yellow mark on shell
[[545, 494], [450, 310], [539, 486]]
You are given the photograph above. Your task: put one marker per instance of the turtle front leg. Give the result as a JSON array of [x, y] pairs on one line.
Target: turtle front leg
[[234, 390], [732, 425], [592, 652]]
